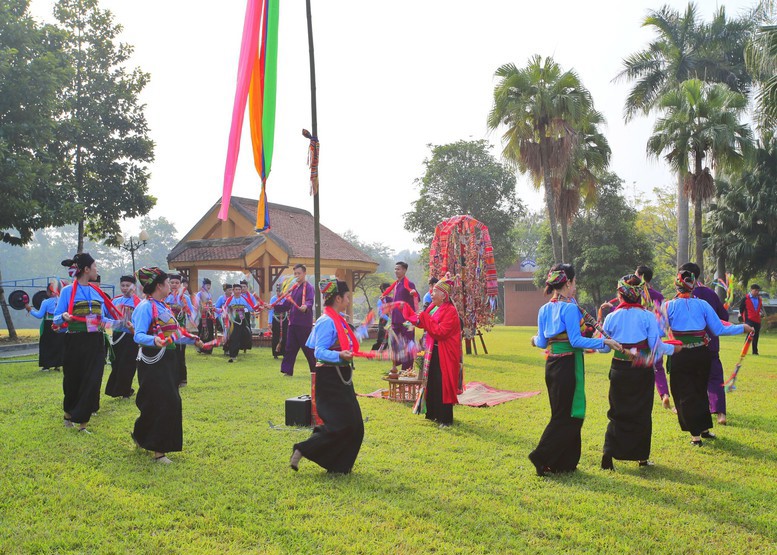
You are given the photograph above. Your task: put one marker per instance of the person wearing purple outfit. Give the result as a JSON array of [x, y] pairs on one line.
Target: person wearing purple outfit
[[716, 393], [299, 305], [646, 273], [402, 290]]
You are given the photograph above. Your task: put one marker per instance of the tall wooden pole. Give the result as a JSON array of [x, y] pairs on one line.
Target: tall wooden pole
[[314, 131]]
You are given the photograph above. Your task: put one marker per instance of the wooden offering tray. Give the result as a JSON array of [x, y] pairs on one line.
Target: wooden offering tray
[[403, 390]]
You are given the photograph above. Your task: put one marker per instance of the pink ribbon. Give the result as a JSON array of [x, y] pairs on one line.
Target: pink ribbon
[[248, 56]]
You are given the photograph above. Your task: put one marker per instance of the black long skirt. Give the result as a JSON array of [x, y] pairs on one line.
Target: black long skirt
[[205, 333], [335, 444], [689, 373], [51, 348], [238, 339], [559, 446], [435, 409], [123, 367], [629, 432], [82, 374], [160, 424], [180, 363]]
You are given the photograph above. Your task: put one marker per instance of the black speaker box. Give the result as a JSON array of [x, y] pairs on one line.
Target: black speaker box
[[298, 411]]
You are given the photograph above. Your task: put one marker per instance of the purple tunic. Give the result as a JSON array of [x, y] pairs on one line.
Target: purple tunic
[[707, 294], [655, 296], [296, 316], [401, 293], [716, 393]]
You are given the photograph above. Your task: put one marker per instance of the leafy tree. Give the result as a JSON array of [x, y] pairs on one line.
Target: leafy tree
[[686, 48], [541, 108], [32, 70], [608, 243], [657, 222], [590, 158], [761, 58], [163, 236], [529, 230], [369, 287], [103, 137], [379, 252], [700, 127], [743, 219], [464, 178]]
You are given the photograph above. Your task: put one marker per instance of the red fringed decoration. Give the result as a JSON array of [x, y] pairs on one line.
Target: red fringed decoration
[[462, 247], [312, 161]]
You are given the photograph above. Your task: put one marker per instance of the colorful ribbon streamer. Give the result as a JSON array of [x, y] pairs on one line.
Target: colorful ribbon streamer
[[730, 384], [257, 78]]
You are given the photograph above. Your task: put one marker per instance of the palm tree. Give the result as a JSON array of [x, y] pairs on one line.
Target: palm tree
[[700, 127], [590, 159], [743, 218], [540, 106], [761, 57], [686, 48]]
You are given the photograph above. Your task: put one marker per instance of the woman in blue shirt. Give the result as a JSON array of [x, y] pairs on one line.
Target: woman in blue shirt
[[559, 323], [335, 444], [692, 320], [159, 428], [82, 311], [125, 352], [52, 344], [629, 431]]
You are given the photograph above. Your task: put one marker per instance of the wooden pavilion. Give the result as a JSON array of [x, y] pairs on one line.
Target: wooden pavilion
[[234, 246]]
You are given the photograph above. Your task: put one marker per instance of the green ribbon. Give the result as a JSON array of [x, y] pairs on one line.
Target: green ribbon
[[578, 399], [270, 85]]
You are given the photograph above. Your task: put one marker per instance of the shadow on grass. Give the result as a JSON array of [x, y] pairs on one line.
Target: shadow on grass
[[754, 423], [671, 498], [738, 449]]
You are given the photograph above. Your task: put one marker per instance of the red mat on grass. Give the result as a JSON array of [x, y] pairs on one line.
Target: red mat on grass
[[476, 394]]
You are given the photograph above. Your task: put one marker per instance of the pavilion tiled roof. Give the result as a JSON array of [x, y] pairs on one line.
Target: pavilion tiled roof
[[294, 228], [214, 249], [291, 229]]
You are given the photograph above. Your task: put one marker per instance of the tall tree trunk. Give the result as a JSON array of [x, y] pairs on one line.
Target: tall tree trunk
[[721, 273], [550, 204], [7, 313], [698, 215], [698, 238], [80, 247], [565, 256], [682, 222]]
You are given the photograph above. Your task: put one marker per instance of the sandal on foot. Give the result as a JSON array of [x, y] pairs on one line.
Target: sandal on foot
[[696, 442], [708, 435], [68, 423], [646, 463], [162, 459], [84, 431]]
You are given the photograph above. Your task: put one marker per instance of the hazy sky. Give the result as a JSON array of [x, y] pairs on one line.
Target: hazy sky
[[392, 77]]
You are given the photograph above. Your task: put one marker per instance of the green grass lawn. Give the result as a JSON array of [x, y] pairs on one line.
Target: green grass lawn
[[415, 488]]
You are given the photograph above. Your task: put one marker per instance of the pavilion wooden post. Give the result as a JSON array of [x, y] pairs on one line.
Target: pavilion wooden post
[[314, 131]]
